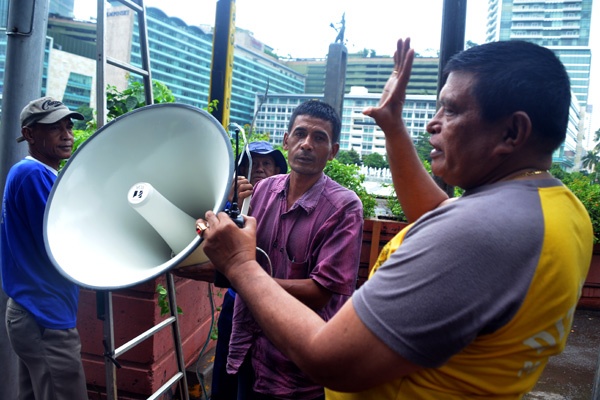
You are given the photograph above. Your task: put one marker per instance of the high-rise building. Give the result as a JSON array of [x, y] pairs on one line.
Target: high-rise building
[[180, 57], [562, 26], [371, 73], [63, 8], [359, 132], [56, 7]]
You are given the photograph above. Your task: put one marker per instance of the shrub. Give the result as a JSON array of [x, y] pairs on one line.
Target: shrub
[[348, 176], [589, 195]]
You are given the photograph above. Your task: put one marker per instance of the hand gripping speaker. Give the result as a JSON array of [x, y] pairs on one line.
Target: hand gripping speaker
[[124, 207]]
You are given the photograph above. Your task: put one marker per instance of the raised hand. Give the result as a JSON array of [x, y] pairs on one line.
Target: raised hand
[[388, 114]]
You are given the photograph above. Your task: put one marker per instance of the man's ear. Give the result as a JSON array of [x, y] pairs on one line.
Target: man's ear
[[285, 139], [27, 133], [517, 131], [334, 150]]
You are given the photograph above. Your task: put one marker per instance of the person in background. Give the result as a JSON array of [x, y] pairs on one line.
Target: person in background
[[478, 292], [41, 313], [266, 162]]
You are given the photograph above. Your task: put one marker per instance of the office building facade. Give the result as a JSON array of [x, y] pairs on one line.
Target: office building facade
[[359, 132], [370, 72], [180, 57]]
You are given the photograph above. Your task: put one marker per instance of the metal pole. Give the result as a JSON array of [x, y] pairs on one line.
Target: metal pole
[[596, 388], [222, 60], [179, 357], [100, 65], [25, 50], [454, 15], [110, 367]]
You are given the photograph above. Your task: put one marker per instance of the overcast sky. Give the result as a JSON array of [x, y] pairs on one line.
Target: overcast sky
[[302, 28]]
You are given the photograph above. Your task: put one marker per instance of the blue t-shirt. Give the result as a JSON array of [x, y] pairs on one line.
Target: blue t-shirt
[[28, 275]]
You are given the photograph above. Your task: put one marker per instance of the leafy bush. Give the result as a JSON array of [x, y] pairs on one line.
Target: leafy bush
[[119, 103], [589, 195], [348, 176], [583, 186], [348, 157], [393, 203]]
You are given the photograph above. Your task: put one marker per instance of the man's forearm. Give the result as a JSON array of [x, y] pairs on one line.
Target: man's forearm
[[199, 272], [416, 190], [307, 291]]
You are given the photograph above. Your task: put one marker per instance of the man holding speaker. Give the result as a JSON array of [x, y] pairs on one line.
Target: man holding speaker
[[41, 313], [474, 297], [309, 237]]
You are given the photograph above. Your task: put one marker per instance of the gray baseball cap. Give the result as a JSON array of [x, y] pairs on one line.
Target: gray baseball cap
[[45, 110]]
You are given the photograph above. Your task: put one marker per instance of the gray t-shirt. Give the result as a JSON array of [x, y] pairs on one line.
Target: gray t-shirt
[[462, 270]]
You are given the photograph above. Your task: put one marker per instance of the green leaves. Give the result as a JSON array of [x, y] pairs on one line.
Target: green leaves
[[348, 176], [163, 302]]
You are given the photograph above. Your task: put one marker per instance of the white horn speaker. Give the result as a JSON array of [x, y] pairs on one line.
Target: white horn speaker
[[123, 209]]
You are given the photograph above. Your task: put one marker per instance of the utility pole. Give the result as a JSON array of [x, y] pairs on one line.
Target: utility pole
[[454, 15], [222, 60], [26, 31]]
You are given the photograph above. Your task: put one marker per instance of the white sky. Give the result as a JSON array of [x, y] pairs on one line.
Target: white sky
[[302, 28]]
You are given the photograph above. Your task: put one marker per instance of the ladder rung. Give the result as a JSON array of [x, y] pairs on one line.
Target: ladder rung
[[131, 4], [143, 336], [126, 66], [166, 386]]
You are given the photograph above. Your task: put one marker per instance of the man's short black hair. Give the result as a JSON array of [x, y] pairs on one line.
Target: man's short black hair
[[519, 76], [321, 110]]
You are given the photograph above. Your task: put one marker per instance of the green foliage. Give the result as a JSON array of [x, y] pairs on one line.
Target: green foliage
[[251, 136], [583, 186], [348, 157], [590, 160], [589, 194], [394, 205], [163, 302], [423, 147], [88, 115], [348, 176], [375, 160], [212, 106], [119, 103]]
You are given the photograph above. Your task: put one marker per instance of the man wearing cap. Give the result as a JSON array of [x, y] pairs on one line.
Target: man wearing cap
[[266, 162], [41, 312]]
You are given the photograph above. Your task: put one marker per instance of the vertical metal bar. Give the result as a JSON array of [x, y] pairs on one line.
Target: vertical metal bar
[[25, 51], [222, 60], [452, 41], [101, 62], [100, 65], [145, 53], [109, 348], [596, 388], [183, 386]]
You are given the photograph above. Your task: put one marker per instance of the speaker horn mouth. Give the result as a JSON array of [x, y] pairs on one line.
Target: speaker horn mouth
[[95, 238]]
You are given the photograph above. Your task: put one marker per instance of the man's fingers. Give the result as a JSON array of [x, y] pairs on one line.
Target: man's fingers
[[249, 223]]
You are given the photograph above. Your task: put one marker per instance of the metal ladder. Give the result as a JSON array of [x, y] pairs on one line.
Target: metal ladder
[[111, 354]]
